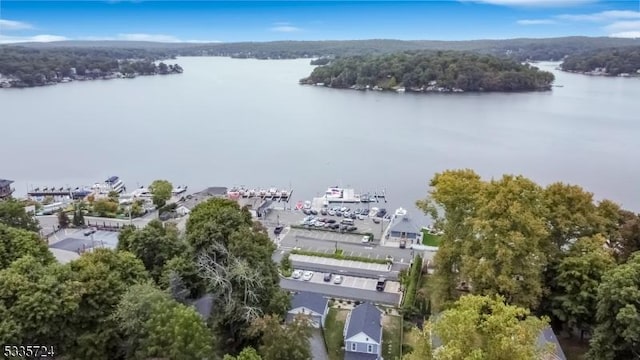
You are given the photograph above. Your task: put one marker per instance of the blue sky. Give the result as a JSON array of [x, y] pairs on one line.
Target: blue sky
[[230, 21]]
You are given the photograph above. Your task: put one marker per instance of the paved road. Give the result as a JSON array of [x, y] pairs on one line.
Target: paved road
[[318, 349], [342, 292]]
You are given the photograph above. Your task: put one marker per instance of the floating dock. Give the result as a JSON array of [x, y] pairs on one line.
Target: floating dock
[[336, 195], [266, 194]]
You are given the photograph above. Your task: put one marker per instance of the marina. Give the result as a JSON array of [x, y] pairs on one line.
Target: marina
[[273, 193]]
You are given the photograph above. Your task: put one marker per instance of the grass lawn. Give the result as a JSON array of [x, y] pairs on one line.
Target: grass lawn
[[429, 239], [391, 334], [333, 328], [410, 340], [574, 349]]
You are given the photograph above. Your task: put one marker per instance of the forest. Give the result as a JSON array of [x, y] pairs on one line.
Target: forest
[[440, 71], [615, 61], [27, 67]]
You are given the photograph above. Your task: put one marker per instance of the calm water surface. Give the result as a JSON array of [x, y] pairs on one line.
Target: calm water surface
[[247, 122]]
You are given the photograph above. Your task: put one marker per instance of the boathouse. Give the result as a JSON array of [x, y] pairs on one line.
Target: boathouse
[[403, 228]]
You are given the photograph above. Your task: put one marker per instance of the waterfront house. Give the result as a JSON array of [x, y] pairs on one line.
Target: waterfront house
[[185, 206], [363, 333], [403, 228], [5, 189], [313, 305]]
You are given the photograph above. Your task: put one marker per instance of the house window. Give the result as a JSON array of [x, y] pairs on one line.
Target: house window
[[353, 346], [369, 348]]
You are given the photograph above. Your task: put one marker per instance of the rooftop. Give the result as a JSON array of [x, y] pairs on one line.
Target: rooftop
[[366, 318], [404, 224], [196, 198], [312, 301], [4, 182]]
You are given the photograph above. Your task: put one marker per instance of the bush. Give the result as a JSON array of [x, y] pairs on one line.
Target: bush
[[413, 280], [285, 263]]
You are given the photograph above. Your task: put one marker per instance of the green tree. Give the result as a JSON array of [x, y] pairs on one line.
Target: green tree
[[423, 349], [12, 213], [452, 202], [184, 268], [105, 275], [161, 191], [617, 333], [155, 245], [235, 259], [628, 241], [283, 341], [37, 302], [63, 220], [247, 353], [78, 217], [105, 207], [113, 196], [177, 332], [579, 275], [16, 243], [485, 328]]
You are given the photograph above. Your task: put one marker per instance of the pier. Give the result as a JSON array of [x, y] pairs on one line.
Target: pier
[[264, 194]]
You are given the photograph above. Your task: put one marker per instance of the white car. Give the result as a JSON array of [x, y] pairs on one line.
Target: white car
[[337, 279], [296, 274], [307, 275], [366, 239]]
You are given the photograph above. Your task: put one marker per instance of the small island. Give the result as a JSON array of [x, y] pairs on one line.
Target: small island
[[22, 67], [439, 71], [623, 62]]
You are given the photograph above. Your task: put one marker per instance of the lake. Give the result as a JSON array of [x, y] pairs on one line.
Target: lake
[[227, 122]]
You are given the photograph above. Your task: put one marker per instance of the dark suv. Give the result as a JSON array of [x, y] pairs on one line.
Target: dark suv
[[382, 282], [278, 229]]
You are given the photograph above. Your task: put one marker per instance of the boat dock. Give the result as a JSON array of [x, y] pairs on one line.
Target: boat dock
[[336, 195], [273, 194]]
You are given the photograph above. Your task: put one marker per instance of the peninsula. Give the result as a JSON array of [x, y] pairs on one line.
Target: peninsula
[[441, 71], [22, 67], [623, 62]]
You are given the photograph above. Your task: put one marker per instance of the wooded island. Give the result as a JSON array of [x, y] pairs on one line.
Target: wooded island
[[611, 62], [441, 71]]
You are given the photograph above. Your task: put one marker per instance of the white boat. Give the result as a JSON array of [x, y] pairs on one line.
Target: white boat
[[335, 194], [111, 184], [307, 205], [143, 192], [179, 190], [373, 211], [401, 212]]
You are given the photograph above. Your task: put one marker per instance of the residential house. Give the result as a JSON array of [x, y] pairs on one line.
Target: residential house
[[363, 333], [403, 228], [314, 305], [191, 201], [5, 189]]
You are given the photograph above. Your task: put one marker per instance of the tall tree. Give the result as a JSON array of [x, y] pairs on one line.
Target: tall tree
[[423, 349], [161, 191], [629, 235], [235, 261], [617, 333], [105, 275], [37, 302], [63, 220], [505, 256], [12, 213], [155, 245], [579, 275], [283, 341], [453, 200], [16, 243], [485, 328]]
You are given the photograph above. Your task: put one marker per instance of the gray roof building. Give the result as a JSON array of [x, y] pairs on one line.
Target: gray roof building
[[403, 224], [311, 301], [365, 318]]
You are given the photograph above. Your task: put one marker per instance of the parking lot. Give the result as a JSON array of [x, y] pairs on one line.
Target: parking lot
[[76, 240], [325, 235], [392, 287], [295, 217], [340, 263]]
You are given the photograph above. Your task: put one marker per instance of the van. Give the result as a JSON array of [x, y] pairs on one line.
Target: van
[[346, 222]]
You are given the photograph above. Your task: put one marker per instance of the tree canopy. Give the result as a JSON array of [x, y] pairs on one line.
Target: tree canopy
[[614, 61], [161, 192], [16, 243], [283, 341], [431, 71], [12, 213]]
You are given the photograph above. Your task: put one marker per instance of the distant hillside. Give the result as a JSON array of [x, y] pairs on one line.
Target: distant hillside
[[612, 62], [519, 49]]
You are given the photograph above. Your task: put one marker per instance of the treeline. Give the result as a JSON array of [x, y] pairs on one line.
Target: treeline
[[519, 49], [552, 250], [431, 71], [26, 67], [614, 61], [211, 292]]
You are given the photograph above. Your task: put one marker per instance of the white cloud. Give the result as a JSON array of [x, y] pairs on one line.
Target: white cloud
[[621, 26], [536, 22], [285, 28], [533, 3], [627, 34], [603, 16], [4, 39], [14, 25]]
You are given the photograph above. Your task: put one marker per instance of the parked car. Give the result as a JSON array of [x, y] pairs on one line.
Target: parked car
[[335, 226], [382, 282], [296, 274], [338, 279], [314, 212], [327, 277], [353, 216], [403, 244], [360, 217], [307, 275], [366, 239], [278, 229], [357, 211], [89, 231], [332, 213], [352, 228], [306, 211], [331, 221], [345, 209], [376, 221], [338, 213], [324, 212]]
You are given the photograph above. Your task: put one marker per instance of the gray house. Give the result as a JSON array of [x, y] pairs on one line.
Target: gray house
[[363, 333], [5, 189], [403, 228], [312, 304]]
